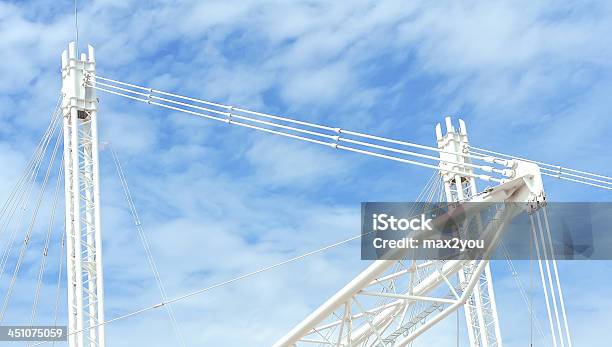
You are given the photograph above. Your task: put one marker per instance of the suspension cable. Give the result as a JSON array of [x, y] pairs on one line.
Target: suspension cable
[[523, 292], [558, 171], [59, 278], [151, 91], [45, 252], [145, 244], [531, 309], [26, 240], [29, 164], [549, 276], [556, 275], [14, 195], [216, 285], [544, 286], [226, 113], [332, 144], [578, 181], [31, 174], [559, 167]]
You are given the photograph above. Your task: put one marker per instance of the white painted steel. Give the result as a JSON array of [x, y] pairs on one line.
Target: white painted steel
[[335, 139], [474, 290], [480, 314], [515, 190], [557, 280], [228, 112], [83, 230]]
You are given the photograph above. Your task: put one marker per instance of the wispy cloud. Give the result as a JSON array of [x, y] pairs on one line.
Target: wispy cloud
[[216, 201]]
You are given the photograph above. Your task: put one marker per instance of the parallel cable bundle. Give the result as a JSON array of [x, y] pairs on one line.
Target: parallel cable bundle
[[21, 212], [557, 171], [540, 230], [495, 167], [310, 132]]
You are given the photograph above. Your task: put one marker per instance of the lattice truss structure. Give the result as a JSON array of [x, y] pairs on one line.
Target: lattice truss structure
[[480, 308], [391, 303], [83, 232]]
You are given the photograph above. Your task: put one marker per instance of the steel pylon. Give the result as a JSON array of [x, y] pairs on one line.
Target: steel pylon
[[82, 198], [481, 312], [393, 302]]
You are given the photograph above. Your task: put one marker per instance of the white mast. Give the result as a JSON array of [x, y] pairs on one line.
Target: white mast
[[82, 191], [346, 320], [481, 312]]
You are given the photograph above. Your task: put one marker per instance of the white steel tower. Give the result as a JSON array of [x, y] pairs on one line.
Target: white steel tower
[[83, 232], [348, 318], [480, 311]]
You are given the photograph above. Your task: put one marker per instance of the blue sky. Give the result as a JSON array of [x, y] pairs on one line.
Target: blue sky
[[529, 78]]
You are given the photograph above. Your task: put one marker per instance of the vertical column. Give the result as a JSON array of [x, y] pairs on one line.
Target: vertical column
[[83, 233], [70, 76], [95, 176], [71, 270], [89, 230], [480, 314]]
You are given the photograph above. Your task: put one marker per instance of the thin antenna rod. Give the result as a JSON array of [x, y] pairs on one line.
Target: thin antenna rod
[[76, 25]]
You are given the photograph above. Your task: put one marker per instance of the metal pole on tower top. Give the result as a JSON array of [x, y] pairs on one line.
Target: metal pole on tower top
[[82, 196]]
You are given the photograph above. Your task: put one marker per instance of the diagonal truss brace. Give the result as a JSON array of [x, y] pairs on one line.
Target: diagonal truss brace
[[481, 313], [82, 196], [522, 188]]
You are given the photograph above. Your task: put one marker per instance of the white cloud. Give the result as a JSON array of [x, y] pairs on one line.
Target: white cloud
[[217, 201], [277, 164]]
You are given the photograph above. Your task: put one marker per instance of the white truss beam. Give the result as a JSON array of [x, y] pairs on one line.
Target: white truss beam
[[374, 329]]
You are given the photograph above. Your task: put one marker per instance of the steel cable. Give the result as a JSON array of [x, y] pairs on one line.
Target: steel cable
[[145, 244], [334, 144]]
